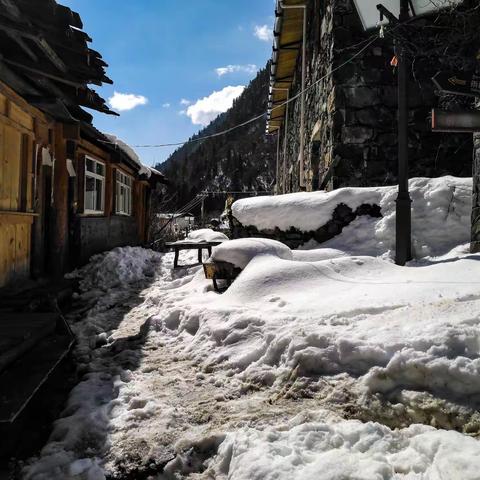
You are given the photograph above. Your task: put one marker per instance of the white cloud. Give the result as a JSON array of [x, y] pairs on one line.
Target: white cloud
[[250, 68], [166, 105], [185, 102], [126, 101], [264, 33], [203, 111]]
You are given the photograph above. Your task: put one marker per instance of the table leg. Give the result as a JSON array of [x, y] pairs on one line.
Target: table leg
[[200, 257], [209, 252], [175, 261]]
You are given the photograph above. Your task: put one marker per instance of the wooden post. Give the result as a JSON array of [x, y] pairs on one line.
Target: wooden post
[[59, 232]]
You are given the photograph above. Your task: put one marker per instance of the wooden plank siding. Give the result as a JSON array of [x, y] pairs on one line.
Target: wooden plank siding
[[14, 247], [16, 189]]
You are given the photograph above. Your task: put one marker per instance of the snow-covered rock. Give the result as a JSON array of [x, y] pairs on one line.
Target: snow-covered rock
[[239, 252], [441, 209]]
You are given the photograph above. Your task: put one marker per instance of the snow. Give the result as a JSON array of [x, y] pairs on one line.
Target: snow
[[130, 152], [239, 252], [206, 235], [127, 149], [352, 315], [321, 363], [347, 450], [440, 218], [119, 267]]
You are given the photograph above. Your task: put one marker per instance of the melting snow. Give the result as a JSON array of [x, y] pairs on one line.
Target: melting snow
[[269, 380]]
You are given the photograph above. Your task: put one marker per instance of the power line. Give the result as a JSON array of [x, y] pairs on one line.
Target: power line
[[372, 39]]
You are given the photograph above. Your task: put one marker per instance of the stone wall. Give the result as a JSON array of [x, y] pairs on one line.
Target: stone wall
[[351, 125], [475, 245], [342, 216]]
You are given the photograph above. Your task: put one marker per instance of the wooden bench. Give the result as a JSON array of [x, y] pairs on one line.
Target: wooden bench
[[216, 270], [199, 246]]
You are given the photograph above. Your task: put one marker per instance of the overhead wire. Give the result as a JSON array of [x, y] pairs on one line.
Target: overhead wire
[[370, 41]]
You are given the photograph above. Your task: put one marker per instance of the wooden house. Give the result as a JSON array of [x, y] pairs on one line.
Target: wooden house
[[66, 190]]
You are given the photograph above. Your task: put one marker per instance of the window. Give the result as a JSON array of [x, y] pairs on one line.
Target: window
[[94, 186], [123, 195]]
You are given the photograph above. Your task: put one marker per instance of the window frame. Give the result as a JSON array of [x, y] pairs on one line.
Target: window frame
[[119, 182], [95, 176]]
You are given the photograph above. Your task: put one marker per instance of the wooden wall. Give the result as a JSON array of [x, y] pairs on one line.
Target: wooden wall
[[16, 190]]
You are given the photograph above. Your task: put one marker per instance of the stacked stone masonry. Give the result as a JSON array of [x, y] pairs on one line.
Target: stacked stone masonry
[[342, 216], [351, 126]]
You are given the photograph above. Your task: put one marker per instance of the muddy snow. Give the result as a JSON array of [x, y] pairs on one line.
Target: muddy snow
[[314, 364]]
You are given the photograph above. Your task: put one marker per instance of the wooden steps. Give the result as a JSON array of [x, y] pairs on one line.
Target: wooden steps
[[20, 382], [19, 332]]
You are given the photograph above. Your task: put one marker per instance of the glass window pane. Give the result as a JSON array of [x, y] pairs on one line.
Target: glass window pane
[[100, 169], [90, 165], [89, 193], [99, 195]]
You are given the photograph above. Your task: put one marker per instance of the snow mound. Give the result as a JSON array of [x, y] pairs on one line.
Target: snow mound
[[348, 450], [441, 209], [317, 255], [206, 235], [118, 267], [392, 327], [241, 251]]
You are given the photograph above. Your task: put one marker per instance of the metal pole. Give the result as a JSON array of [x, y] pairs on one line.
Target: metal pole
[[404, 202], [277, 170]]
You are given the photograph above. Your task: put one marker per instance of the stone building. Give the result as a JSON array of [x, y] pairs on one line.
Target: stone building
[[350, 134]]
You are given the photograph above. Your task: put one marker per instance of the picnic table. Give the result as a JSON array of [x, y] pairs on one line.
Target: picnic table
[[189, 245]]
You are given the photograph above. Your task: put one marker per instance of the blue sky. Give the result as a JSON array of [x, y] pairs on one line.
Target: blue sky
[[169, 50]]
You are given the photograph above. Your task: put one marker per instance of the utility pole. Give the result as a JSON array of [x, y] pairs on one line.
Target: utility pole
[[404, 202]]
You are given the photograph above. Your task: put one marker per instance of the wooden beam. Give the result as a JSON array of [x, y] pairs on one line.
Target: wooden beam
[[71, 131], [59, 231], [43, 74], [11, 8], [10, 78], [50, 53], [16, 218], [19, 41]]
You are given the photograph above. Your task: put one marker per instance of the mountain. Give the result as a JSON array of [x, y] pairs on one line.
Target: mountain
[[242, 160]]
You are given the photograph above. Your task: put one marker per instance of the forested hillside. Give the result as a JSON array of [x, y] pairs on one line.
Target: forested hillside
[[242, 160]]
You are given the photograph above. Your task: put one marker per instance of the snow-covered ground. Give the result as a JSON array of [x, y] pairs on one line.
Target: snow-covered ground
[[315, 364]]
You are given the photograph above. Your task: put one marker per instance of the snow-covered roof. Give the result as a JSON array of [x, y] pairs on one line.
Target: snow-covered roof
[[127, 150], [133, 156]]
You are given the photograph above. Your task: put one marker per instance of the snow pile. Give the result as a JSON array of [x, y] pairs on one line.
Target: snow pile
[[111, 285], [117, 268], [440, 215], [206, 235], [399, 327], [241, 251], [347, 450]]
